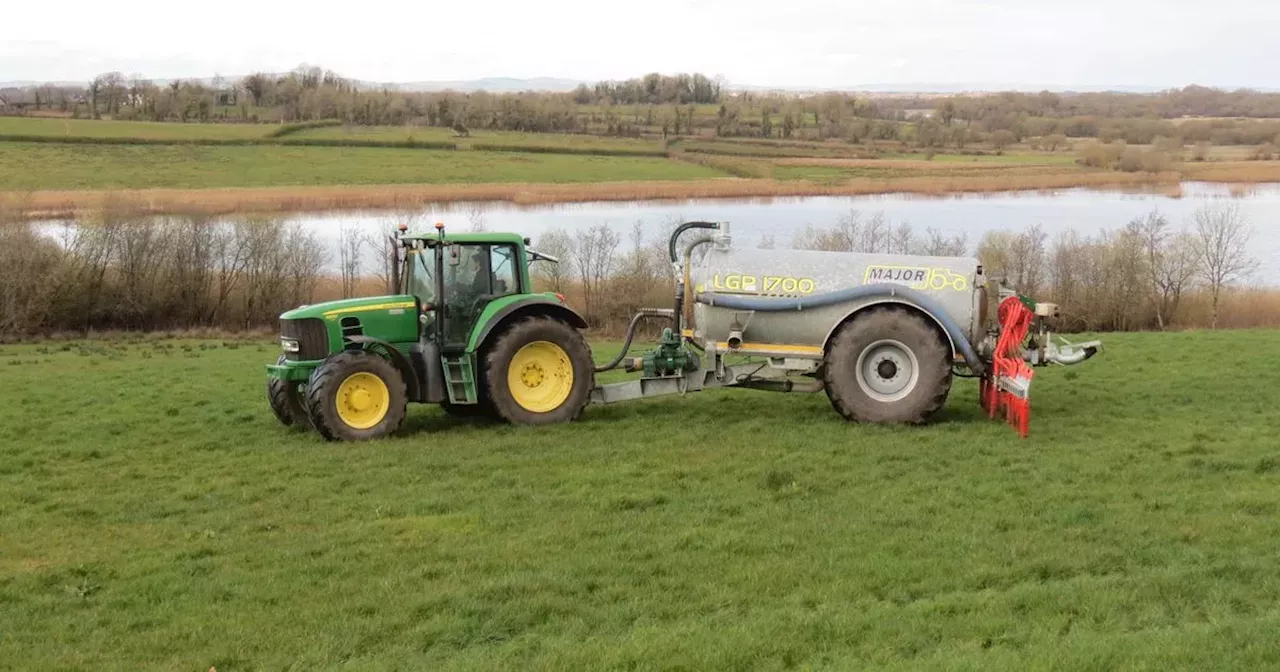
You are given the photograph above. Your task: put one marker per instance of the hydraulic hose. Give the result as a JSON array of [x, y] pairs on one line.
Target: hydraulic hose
[[781, 303], [631, 332], [675, 235]]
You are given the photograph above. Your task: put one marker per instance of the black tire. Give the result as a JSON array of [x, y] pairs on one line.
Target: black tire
[[906, 369], [524, 332], [287, 402], [327, 380]]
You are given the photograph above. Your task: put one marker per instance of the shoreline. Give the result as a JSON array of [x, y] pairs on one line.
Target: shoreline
[[404, 197]]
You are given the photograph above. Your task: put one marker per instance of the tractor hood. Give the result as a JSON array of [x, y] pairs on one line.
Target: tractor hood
[[332, 311], [324, 328]]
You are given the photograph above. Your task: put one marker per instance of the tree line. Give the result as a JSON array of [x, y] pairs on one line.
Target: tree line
[[1151, 273], [120, 270], [692, 104]]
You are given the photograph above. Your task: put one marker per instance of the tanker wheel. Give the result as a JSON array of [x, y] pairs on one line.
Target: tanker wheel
[[286, 401], [539, 372], [889, 365], [355, 396]]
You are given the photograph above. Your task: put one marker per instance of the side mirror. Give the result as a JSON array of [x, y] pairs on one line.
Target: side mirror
[[535, 255]]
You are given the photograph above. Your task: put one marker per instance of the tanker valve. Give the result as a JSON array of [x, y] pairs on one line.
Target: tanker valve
[[734, 341]]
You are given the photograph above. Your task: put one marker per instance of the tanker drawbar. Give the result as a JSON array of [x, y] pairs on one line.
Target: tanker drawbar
[[884, 335]]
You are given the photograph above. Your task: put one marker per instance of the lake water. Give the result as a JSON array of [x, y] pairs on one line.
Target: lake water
[[1086, 211]]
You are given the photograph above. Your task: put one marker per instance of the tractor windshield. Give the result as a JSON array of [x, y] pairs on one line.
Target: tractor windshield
[[422, 284]]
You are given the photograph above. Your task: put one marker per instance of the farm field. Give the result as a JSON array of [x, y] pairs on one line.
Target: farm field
[[567, 142], [155, 516], [146, 130], [52, 166]]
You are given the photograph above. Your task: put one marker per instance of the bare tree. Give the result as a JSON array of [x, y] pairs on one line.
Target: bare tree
[[553, 276], [475, 215], [937, 245], [594, 254], [351, 244], [1020, 257], [902, 240], [257, 85], [1171, 264], [1222, 245]]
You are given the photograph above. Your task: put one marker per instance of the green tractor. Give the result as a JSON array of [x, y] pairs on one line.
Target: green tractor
[[464, 330]]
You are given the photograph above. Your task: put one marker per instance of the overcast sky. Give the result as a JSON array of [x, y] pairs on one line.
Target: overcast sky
[[792, 43]]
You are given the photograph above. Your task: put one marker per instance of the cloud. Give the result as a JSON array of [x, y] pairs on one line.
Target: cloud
[[799, 43]]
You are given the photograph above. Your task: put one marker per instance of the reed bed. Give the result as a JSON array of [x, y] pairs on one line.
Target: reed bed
[[39, 204]]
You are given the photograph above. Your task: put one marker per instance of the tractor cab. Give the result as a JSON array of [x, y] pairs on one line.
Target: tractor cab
[[454, 281]]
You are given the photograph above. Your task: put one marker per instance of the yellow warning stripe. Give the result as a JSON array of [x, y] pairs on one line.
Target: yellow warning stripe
[[376, 306], [771, 347]]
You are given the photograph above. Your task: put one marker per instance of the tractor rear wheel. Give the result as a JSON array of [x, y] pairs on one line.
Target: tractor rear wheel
[[539, 371], [356, 395], [286, 401], [889, 365]]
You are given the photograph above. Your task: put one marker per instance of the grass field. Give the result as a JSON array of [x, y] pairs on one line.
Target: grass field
[[89, 128], [565, 141], [46, 166], [154, 516]]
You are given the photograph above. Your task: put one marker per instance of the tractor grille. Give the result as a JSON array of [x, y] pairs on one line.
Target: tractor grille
[[312, 337]]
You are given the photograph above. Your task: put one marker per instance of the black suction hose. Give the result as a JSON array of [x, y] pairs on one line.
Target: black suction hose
[[678, 306], [675, 235], [631, 332]]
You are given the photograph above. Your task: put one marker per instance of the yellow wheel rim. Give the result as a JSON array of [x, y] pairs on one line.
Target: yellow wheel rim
[[362, 400], [540, 376]]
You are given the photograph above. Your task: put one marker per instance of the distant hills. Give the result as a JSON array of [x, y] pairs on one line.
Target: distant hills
[[514, 84], [497, 84]]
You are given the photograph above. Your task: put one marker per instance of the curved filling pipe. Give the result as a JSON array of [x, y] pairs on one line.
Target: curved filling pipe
[[766, 304], [682, 289], [671, 242]]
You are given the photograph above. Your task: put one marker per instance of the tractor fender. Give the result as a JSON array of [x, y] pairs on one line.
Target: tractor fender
[[412, 386], [521, 308]]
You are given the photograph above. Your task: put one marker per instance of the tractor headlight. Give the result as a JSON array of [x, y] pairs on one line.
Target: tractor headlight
[[289, 345]]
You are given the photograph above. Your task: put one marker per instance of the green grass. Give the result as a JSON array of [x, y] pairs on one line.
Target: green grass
[[1012, 157], [570, 141], [154, 516], [779, 150], [88, 128], [35, 166]]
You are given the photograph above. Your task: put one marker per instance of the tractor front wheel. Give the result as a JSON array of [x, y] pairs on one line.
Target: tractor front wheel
[[355, 396], [286, 401], [539, 372]]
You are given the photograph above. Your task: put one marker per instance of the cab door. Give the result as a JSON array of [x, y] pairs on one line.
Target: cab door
[[474, 275]]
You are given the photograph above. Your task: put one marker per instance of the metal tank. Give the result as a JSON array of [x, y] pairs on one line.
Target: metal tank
[[953, 284]]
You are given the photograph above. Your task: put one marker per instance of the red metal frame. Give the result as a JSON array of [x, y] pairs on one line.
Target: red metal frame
[[995, 393]]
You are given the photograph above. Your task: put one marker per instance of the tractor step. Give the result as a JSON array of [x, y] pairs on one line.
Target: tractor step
[[459, 379]]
